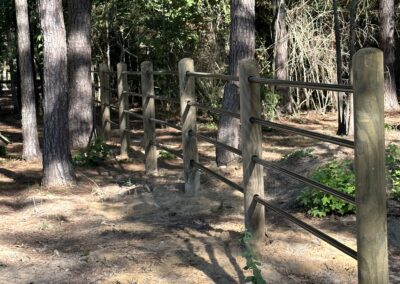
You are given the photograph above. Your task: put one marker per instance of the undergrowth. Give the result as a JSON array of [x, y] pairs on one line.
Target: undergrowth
[[164, 155], [303, 153], [338, 174], [95, 153], [251, 261], [3, 151]]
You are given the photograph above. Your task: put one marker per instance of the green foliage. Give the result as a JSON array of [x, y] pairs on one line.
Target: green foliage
[[303, 153], [96, 152], [3, 151], [335, 174], [270, 102], [251, 261], [164, 155], [393, 168]]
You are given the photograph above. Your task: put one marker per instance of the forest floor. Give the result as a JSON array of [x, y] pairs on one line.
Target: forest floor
[[120, 226]]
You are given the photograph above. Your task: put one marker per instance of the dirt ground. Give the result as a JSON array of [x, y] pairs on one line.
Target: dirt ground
[[121, 226]]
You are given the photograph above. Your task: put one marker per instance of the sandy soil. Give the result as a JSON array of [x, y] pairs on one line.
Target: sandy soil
[[120, 226]]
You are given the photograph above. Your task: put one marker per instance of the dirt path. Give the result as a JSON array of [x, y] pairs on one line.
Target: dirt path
[[119, 226]]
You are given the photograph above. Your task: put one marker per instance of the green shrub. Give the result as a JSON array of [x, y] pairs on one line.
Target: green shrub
[[393, 169], [164, 155], [96, 153], [3, 151], [303, 153], [270, 102], [337, 175], [251, 262]]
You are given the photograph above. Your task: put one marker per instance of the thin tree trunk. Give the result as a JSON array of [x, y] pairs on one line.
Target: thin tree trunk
[[57, 162], [242, 46], [388, 45], [282, 55], [31, 148], [341, 96], [79, 64]]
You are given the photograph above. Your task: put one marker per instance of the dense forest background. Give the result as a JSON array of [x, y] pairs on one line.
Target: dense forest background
[[165, 31]]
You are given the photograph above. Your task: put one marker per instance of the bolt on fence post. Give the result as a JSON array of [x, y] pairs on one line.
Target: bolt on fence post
[[105, 100], [149, 127], [123, 105], [251, 137], [188, 120], [369, 129]]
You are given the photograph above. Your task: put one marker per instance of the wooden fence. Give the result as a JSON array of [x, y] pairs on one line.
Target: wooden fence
[[368, 145]]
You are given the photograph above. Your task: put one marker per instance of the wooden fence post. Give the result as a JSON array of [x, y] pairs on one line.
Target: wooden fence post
[[123, 105], [188, 120], [251, 137], [369, 137], [105, 100], [149, 127]]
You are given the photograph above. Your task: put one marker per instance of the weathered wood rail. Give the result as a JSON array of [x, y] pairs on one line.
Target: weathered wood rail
[[371, 254]]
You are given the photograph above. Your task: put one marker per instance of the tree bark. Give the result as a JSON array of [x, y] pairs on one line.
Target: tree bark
[[388, 45], [79, 64], [282, 55], [31, 148], [57, 162], [242, 46]]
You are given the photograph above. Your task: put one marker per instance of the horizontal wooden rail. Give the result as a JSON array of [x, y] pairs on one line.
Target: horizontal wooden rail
[[310, 182], [215, 110], [217, 176], [213, 76], [217, 143], [162, 122], [349, 251], [307, 85], [163, 98], [303, 132], [133, 94], [160, 72], [134, 114], [169, 150], [110, 89]]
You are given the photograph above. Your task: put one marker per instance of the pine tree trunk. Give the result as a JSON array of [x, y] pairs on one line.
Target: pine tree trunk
[[79, 64], [388, 45], [31, 148], [242, 46], [282, 55], [57, 162]]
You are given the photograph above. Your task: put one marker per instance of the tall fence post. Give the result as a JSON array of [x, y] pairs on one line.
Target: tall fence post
[[369, 129], [251, 137], [123, 105], [188, 120], [105, 100], [149, 127]]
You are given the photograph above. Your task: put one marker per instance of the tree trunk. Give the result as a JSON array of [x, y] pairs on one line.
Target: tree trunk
[[242, 46], [79, 64], [31, 148], [387, 43], [282, 55], [57, 162]]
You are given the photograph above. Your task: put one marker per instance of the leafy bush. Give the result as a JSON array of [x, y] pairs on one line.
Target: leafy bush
[[251, 262], [96, 152], [3, 151], [164, 155], [335, 174], [393, 168], [303, 153]]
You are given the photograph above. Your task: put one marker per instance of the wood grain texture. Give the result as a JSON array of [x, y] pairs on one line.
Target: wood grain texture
[[188, 120], [149, 127], [370, 166], [251, 135], [123, 105], [105, 100]]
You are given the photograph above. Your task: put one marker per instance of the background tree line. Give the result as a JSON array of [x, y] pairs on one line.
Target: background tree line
[[303, 40]]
